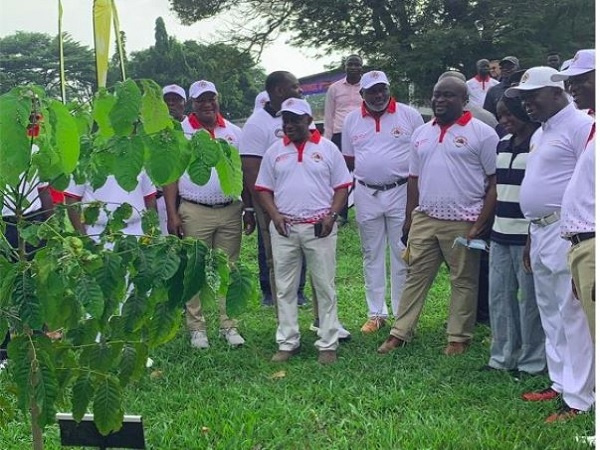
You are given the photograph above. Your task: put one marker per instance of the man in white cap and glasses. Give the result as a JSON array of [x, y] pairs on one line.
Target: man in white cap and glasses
[[554, 150], [302, 185], [205, 212], [451, 194], [376, 144], [578, 224]]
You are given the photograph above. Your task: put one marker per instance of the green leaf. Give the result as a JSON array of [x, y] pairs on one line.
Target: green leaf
[[164, 155], [45, 383], [199, 172], [83, 392], [206, 148], [164, 324], [133, 363], [129, 162], [108, 410], [85, 333], [103, 104], [150, 225], [30, 310], [229, 170], [9, 272], [90, 295], [134, 310], [155, 113], [167, 262], [111, 276], [126, 110], [242, 289], [66, 135], [116, 221], [30, 234], [20, 354], [15, 146], [193, 278], [91, 212]]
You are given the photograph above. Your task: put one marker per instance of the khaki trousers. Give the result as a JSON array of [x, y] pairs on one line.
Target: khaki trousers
[[582, 263], [320, 263], [217, 228], [429, 243]]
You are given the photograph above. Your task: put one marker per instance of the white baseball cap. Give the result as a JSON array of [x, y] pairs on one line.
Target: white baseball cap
[[535, 78], [584, 61], [296, 106], [174, 89], [261, 100], [200, 87], [372, 78]]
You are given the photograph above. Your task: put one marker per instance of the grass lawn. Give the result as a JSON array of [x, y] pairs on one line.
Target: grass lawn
[[415, 398]]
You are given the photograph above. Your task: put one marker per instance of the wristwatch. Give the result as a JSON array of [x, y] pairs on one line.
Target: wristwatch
[[333, 215]]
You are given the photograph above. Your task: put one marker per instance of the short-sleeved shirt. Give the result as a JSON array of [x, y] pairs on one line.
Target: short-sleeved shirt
[[453, 163], [554, 150], [262, 129], [211, 193], [114, 196], [303, 178], [579, 201], [478, 87], [342, 98], [380, 146]]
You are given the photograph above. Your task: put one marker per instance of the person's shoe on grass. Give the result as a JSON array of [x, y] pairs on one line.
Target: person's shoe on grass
[[373, 324], [565, 412], [327, 357], [390, 344], [284, 355], [540, 396], [232, 336], [456, 348], [199, 339]]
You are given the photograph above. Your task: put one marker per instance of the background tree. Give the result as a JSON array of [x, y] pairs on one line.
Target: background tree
[[413, 40], [234, 72], [33, 58]]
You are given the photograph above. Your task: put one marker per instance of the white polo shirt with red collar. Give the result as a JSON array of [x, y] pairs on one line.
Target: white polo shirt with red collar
[[303, 177], [579, 202], [114, 196], [380, 146], [554, 150], [478, 87], [261, 131], [211, 193], [452, 163]]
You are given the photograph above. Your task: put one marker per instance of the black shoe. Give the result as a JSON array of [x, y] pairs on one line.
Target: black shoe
[[302, 299], [267, 300]]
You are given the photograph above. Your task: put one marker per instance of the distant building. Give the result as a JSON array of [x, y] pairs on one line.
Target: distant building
[[315, 87]]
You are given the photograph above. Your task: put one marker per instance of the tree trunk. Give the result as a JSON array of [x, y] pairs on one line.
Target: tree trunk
[[36, 431]]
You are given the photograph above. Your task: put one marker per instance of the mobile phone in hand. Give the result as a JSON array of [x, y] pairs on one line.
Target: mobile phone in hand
[[318, 229]]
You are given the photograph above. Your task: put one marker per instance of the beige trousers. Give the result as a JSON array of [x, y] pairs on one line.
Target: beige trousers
[[582, 263], [217, 228], [429, 243]]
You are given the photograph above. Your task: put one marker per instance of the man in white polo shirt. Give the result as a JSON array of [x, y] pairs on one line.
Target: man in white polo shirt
[[578, 224], [480, 84], [205, 212], [554, 150], [451, 193], [302, 184], [376, 144]]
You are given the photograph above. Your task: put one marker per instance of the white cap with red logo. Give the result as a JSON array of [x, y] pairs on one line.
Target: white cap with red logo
[[296, 106], [372, 78], [200, 87], [584, 61], [535, 78], [174, 89]]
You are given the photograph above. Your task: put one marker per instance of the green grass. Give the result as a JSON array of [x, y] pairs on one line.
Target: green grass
[[415, 398]]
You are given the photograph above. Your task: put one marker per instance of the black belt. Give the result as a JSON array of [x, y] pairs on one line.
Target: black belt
[[214, 205], [159, 194], [577, 238], [384, 187]]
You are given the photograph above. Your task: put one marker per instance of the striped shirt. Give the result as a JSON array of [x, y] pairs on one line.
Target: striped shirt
[[510, 226]]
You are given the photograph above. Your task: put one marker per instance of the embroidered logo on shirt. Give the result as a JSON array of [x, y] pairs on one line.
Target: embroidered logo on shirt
[[460, 141], [358, 137], [317, 157], [398, 131], [421, 142], [281, 158]]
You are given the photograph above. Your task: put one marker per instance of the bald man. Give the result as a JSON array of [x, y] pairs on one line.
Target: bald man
[[451, 193], [480, 84]]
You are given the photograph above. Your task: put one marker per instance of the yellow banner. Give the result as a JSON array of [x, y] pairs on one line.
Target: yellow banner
[[102, 22], [118, 39]]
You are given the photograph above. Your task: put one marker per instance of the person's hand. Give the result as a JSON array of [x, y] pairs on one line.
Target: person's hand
[[526, 258], [405, 231], [249, 222], [574, 289], [477, 230], [175, 225], [327, 226], [281, 225]]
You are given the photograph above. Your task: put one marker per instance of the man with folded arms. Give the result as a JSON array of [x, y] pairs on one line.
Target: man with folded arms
[[205, 212], [578, 224], [302, 185], [554, 150], [376, 144], [451, 193]]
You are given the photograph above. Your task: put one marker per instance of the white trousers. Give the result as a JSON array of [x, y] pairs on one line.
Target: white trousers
[[162, 215], [569, 348], [380, 216], [321, 264]]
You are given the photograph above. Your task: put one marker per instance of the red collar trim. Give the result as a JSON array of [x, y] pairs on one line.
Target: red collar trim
[[391, 108], [481, 79], [462, 120], [315, 138], [196, 124]]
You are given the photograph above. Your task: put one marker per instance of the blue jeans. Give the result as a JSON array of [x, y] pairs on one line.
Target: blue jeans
[[517, 333]]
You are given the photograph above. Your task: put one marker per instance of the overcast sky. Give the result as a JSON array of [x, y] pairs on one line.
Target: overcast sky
[[137, 20]]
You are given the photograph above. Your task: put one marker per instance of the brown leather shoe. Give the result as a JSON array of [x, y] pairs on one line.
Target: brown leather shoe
[[284, 355], [391, 343], [456, 348], [327, 357], [540, 396]]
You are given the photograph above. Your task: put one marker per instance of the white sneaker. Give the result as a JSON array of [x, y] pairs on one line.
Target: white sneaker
[[343, 334], [198, 339], [233, 338], [3, 364]]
